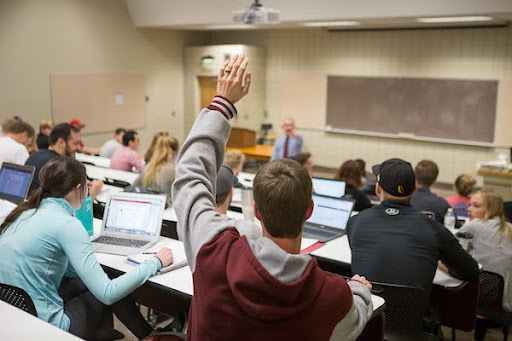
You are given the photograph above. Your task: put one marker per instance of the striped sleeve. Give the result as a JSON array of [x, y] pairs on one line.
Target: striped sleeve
[[223, 106]]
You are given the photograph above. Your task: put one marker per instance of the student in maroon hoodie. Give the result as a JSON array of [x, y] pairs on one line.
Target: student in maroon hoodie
[[252, 283]]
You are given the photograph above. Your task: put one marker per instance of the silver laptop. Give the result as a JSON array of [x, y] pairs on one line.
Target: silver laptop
[[329, 187], [329, 218], [131, 223], [15, 182]]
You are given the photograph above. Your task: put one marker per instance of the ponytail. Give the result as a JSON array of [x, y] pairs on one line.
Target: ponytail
[[33, 201], [58, 177]]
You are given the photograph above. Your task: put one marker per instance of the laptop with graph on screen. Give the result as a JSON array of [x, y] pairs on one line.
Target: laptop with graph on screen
[[131, 223], [329, 219]]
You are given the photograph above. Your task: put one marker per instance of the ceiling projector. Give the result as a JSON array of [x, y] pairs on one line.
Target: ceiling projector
[[256, 14]]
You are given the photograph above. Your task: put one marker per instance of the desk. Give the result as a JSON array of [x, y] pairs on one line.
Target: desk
[[101, 173], [259, 152], [19, 325], [338, 250], [501, 181], [105, 191], [93, 159]]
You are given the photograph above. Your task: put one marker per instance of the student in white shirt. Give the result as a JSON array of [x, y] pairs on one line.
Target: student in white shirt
[[113, 144], [17, 136]]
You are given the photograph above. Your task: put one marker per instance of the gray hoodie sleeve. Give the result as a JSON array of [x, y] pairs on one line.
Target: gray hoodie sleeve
[[359, 314], [193, 191]]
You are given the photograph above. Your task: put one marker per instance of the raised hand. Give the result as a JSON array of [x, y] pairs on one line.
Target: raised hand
[[231, 83]]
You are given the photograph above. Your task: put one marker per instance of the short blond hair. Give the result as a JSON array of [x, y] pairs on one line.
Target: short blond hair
[[233, 158], [46, 124]]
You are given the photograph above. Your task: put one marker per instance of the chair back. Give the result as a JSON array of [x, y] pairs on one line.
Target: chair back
[[17, 297], [405, 307], [491, 294]]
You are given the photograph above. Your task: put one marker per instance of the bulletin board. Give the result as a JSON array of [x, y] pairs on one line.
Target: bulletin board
[[102, 103]]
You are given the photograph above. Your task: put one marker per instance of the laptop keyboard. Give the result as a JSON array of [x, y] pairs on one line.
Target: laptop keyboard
[[120, 241], [318, 232]]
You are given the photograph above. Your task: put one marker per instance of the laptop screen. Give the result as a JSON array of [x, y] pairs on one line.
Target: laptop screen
[[15, 181], [331, 212], [328, 187], [133, 215]]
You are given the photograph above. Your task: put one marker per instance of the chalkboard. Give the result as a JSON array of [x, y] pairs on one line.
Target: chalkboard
[[447, 109]]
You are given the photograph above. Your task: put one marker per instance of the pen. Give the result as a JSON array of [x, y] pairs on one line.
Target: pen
[[149, 253]]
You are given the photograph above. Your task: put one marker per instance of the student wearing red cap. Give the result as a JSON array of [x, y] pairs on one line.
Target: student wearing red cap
[[81, 146]]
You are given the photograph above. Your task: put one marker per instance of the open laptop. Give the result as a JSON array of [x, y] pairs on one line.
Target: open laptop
[[329, 187], [131, 223], [15, 182], [329, 218]]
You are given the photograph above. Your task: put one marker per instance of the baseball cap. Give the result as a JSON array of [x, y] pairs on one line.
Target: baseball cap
[[396, 177], [77, 123], [225, 180]]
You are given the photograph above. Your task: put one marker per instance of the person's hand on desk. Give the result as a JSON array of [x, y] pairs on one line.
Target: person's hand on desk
[[95, 187], [363, 280], [165, 256], [441, 266]]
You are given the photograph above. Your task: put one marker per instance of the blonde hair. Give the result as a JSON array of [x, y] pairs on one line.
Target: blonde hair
[[46, 124], [233, 158], [162, 154], [151, 148], [494, 203], [464, 184]]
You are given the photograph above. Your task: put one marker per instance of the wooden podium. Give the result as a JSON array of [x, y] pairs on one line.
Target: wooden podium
[[241, 138], [245, 140]]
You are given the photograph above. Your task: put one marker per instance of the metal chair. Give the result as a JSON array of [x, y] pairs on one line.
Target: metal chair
[[405, 308], [17, 297], [490, 300]]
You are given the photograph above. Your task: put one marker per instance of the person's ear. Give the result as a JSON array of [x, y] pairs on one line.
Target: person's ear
[[310, 209], [256, 212], [378, 189]]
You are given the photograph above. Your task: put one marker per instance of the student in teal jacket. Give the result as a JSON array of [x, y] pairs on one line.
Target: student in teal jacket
[[41, 243]]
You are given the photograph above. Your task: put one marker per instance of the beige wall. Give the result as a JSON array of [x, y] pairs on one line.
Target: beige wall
[[251, 109], [41, 38], [450, 53]]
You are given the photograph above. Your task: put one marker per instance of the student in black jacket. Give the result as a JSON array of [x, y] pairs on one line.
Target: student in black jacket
[[395, 243]]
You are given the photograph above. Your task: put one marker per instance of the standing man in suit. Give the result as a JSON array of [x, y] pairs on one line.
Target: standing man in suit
[[290, 144]]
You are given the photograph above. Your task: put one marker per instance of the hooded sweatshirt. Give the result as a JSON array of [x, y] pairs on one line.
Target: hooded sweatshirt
[[245, 285]]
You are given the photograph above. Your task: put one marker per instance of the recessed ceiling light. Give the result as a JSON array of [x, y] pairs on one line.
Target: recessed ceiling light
[[454, 19], [330, 23]]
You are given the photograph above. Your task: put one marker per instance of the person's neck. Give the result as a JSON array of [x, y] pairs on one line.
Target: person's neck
[[56, 149], [290, 245], [14, 137], [222, 209], [423, 187]]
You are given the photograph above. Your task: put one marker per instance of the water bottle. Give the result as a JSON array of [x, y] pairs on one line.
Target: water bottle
[[85, 215], [449, 219]]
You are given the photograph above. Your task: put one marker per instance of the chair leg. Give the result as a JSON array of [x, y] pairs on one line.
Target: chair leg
[[505, 333], [453, 334]]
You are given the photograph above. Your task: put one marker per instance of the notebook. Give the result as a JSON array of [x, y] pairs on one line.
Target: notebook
[[131, 223], [329, 218], [15, 182], [329, 187], [178, 253]]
